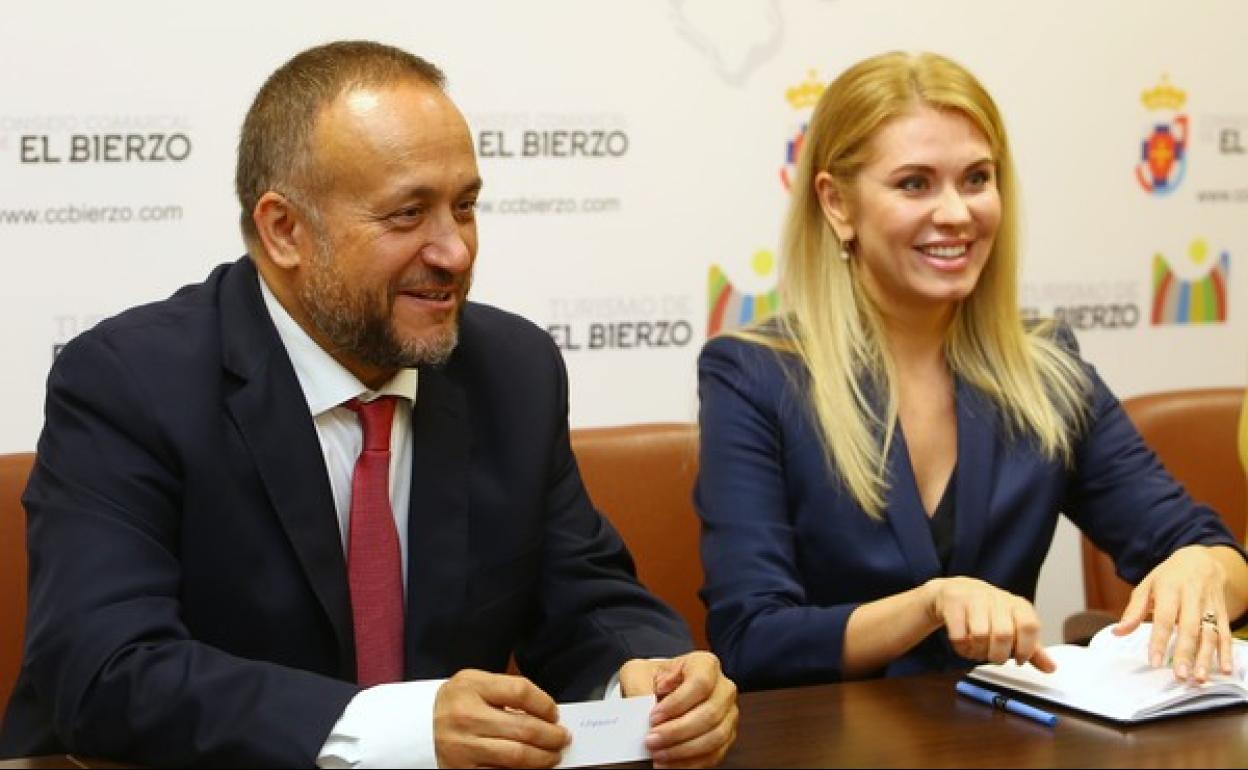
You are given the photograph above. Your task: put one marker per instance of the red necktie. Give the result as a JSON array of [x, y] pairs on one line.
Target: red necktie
[[374, 571]]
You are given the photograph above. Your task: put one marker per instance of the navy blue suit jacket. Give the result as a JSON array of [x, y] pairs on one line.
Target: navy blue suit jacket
[[188, 591], [789, 554]]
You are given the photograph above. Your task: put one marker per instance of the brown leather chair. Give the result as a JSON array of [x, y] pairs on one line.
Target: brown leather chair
[[641, 478], [14, 469], [1194, 433]]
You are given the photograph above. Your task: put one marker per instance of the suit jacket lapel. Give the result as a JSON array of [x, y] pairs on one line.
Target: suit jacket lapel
[[977, 450], [267, 405], [907, 517], [437, 543], [977, 453]]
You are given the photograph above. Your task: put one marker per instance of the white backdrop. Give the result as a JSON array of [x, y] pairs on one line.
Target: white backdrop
[[683, 112]]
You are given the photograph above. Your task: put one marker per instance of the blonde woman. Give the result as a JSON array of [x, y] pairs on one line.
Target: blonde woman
[[883, 465]]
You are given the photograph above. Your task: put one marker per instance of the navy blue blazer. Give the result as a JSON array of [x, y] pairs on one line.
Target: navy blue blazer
[[188, 589], [789, 554]]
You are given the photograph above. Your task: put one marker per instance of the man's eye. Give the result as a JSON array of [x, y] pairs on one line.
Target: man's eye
[[407, 214]]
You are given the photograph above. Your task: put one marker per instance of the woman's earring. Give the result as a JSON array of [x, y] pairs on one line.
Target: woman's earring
[[845, 253]]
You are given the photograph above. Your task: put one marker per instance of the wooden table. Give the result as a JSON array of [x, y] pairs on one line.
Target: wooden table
[[921, 722]]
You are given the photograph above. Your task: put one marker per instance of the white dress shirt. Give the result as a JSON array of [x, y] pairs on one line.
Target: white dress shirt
[[389, 725]]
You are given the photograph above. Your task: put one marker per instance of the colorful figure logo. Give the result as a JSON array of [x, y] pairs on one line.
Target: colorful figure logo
[[792, 150], [1163, 153], [801, 97], [732, 309], [1198, 301]]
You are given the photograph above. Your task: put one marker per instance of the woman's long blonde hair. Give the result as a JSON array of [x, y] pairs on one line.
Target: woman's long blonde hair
[[831, 323]]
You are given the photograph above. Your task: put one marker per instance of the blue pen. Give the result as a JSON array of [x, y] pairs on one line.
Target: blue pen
[[997, 700]]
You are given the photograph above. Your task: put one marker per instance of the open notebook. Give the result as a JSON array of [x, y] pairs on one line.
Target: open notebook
[[1111, 678]]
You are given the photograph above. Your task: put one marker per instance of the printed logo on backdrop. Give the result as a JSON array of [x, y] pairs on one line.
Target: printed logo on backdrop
[[1192, 290], [1172, 133], [1162, 162], [802, 98], [736, 38], [101, 138], [729, 305], [1089, 306], [69, 141], [1223, 138], [560, 151], [1231, 136], [571, 141], [609, 323], [66, 326]]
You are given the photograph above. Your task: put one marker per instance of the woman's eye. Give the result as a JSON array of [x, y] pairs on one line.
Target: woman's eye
[[979, 178], [913, 184]]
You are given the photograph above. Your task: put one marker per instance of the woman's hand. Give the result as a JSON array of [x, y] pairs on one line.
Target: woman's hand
[[986, 623], [1186, 596]]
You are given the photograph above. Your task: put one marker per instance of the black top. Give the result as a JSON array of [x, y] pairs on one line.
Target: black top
[[941, 523]]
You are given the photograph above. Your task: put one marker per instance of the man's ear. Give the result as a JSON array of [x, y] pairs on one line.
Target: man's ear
[[281, 228], [835, 206]]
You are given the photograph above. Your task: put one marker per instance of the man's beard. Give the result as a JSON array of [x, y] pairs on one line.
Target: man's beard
[[360, 325]]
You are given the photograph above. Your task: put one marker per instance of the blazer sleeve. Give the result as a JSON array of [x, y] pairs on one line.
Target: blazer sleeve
[[760, 620], [593, 613], [1126, 502], [108, 660]]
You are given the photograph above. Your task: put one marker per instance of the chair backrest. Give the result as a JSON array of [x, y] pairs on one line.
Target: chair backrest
[[641, 478], [1194, 433], [14, 470]]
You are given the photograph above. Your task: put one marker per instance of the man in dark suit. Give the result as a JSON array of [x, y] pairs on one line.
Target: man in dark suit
[[272, 512]]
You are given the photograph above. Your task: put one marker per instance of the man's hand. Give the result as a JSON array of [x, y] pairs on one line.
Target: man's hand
[[495, 720], [695, 720]]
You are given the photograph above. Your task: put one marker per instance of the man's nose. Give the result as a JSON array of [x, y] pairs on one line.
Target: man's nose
[[448, 248]]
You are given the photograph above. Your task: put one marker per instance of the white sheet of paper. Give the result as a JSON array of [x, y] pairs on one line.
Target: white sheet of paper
[[606, 731]]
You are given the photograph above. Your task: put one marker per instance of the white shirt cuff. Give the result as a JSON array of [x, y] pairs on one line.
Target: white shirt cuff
[[390, 725], [613, 691]]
